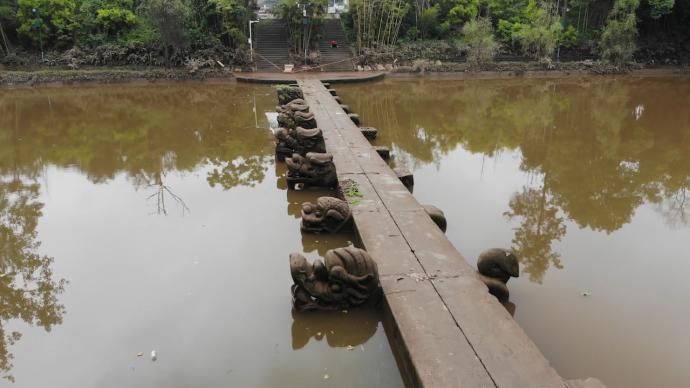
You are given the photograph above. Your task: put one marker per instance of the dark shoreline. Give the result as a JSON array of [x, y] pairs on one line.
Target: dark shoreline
[[106, 75], [115, 75]]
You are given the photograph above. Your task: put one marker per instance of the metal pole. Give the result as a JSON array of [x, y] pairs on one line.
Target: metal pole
[[251, 43]]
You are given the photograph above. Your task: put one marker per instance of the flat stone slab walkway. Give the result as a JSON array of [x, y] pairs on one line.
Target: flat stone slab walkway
[[446, 329], [333, 77]]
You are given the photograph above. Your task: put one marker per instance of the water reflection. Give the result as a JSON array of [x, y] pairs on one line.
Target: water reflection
[[589, 158], [28, 290], [143, 133], [539, 227], [341, 329], [149, 132]]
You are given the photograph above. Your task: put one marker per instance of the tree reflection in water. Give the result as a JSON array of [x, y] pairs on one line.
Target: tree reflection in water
[[599, 161], [28, 290], [540, 226], [142, 133], [340, 329]]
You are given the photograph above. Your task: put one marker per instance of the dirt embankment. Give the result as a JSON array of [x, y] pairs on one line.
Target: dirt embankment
[[101, 75], [518, 68], [106, 75]]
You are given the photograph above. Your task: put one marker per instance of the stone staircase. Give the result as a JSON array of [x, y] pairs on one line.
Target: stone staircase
[[270, 45], [332, 29]]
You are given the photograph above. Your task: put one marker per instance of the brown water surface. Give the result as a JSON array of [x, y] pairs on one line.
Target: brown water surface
[[141, 218], [588, 179]]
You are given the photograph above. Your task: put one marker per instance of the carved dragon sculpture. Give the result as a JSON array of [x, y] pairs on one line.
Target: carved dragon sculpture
[[327, 215], [496, 266], [288, 93], [298, 141], [295, 114], [313, 169], [348, 277]]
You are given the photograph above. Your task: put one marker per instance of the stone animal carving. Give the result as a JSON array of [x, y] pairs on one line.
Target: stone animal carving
[[496, 266], [437, 216], [347, 277], [298, 141], [313, 169], [327, 215], [295, 114], [288, 93]]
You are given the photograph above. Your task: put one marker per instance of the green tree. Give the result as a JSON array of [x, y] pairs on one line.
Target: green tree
[[428, 22], [8, 24], [48, 21], [618, 39], [539, 36], [659, 8], [302, 36], [168, 17], [479, 37]]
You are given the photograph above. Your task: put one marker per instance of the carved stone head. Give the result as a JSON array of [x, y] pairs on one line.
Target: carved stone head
[[298, 141], [327, 215], [315, 169], [498, 263], [347, 278]]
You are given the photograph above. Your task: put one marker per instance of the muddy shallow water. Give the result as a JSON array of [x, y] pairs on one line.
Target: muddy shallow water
[[588, 179], [150, 218]]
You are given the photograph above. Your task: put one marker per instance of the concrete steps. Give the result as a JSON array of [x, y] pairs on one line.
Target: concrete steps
[[334, 59], [270, 45]]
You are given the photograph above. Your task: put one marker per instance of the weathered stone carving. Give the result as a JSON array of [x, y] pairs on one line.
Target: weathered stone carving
[[496, 266], [295, 114], [304, 119], [437, 216], [288, 93], [295, 105], [347, 277], [355, 118], [327, 215], [369, 132], [383, 151], [313, 169], [405, 177], [298, 141]]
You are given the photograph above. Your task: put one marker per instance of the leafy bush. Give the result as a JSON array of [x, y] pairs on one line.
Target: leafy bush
[[659, 8], [618, 39], [428, 22], [540, 37], [478, 34], [53, 22], [570, 37]]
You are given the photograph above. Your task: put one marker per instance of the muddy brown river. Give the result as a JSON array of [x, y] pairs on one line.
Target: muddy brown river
[[145, 229]]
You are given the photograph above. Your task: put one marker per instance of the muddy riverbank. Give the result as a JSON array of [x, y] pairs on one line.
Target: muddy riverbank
[[111, 75], [49, 76]]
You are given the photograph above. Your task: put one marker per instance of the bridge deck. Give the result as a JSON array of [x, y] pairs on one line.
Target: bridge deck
[[446, 329]]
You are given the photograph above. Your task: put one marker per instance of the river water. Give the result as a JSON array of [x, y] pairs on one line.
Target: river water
[[588, 179], [146, 218]]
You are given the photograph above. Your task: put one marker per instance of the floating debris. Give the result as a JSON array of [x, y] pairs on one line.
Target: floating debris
[[154, 355], [350, 347], [326, 377], [140, 354], [586, 293]]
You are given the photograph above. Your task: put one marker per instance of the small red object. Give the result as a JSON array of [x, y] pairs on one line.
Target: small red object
[[334, 43]]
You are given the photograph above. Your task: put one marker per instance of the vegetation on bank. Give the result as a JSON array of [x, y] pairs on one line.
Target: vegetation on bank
[[210, 33], [541, 30], [134, 32]]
